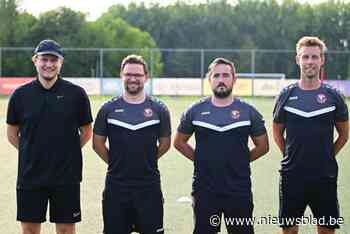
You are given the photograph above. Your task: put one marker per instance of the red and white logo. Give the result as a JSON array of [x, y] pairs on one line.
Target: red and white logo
[[235, 114], [148, 112], [321, 98]]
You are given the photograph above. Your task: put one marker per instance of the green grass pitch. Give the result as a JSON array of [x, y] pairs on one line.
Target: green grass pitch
[[176, 172]]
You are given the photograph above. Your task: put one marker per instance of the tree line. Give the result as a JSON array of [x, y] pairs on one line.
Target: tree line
[[262, 25]]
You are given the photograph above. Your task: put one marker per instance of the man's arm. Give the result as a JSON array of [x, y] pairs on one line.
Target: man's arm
[[13, 135], [278, 132], [181, 144], [163, 146], [85, 134], [99, 146], [261, 147], [343, 135]]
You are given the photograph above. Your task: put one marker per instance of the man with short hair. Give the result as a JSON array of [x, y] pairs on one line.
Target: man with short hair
[[49, 121], [222, 125], [304, 119], [138, 131]]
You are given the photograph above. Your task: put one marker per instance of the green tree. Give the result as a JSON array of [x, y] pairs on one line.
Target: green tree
[[8, 16], [14, 28], [333, 26], [121, 35], [70, 29], [244, 24], [222, 24], [18, 62]]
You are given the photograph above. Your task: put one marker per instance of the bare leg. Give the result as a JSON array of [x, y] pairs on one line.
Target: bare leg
[[65, 228], [290, 230], [30, 228], [324, 230]]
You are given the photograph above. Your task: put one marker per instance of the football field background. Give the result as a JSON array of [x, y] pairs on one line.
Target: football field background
[[176, 175]]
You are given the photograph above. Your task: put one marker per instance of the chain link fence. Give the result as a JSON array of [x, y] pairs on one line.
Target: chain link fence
[[170, 63]]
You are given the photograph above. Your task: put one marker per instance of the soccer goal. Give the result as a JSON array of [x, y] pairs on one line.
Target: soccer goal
[[260, 84], [277, 76]]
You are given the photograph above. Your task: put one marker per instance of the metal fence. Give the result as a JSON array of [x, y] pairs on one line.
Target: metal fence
[[104, 62]]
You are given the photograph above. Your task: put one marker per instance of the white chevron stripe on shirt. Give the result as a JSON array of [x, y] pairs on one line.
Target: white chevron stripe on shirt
[[133, 127], [309, 114], [221, 129]]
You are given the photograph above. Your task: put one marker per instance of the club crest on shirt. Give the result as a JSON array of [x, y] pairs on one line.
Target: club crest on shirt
[[321, 98], [235, 114], [148, 112]]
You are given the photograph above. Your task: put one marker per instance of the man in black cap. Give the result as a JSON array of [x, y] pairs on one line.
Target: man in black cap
[[49, 121]]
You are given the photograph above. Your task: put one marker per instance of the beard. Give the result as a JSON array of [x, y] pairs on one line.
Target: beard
[[221, 91], [133, 88]]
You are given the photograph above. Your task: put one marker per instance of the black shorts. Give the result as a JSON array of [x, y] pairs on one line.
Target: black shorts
[[139, 210], [208, 209], [320, 195], [64, 204]]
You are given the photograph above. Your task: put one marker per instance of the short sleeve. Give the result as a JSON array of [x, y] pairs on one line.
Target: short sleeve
[[100, 126], [279, 114], [186, 125], [257, 123], [85, 116], [165, 123], [13, 112], [342, 113]]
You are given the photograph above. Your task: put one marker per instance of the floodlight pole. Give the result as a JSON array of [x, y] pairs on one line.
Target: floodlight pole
[[151, 69], [252, 63], [202, 72], [151, 62], [0, 62], [252, 69], [101, 63], [202, 63]]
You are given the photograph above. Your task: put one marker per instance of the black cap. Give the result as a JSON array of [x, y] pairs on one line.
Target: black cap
[[49, 47]]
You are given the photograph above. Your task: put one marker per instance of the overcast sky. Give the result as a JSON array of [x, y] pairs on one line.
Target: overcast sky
[[93, 8]]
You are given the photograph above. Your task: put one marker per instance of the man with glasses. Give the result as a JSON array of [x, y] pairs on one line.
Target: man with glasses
[[138, 131]]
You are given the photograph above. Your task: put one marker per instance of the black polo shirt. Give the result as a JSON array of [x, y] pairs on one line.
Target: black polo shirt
[[49, 143]]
